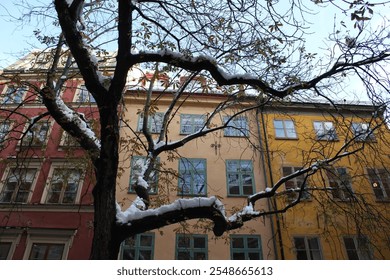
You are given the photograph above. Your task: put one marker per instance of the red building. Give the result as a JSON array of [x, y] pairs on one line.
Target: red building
[[46, 181]]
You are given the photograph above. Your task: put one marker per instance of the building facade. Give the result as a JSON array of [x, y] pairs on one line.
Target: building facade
[[223, 164], [344, 206], [46, 206]]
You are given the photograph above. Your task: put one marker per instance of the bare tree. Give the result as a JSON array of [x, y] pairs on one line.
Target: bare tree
[[253, 47]]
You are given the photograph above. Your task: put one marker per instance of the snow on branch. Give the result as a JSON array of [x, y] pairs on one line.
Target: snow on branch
[[71, 121], [222, 78], [134, 220]]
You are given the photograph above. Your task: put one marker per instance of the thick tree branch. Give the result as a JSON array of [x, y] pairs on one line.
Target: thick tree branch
[[133, 220], [71, 122], [87, 66], [222, 78]]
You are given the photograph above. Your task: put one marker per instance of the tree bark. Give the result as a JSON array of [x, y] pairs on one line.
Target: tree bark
[[105, 244]]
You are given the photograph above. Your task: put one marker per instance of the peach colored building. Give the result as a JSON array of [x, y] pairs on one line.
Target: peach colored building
[[221, 164]]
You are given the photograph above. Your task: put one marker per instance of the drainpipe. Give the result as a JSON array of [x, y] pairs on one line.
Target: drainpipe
[[271, 202]]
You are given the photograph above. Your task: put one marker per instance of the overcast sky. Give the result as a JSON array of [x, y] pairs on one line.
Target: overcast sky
[[18, 40]]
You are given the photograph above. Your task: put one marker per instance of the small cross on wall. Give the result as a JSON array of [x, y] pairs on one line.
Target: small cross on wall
[[216, 146]]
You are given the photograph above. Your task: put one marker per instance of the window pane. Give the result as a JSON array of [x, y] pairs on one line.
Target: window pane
[[238, 256], [199, 242], [253, 242], [128, 254], [55, 252], [290, 129], [146, 240], [5, 247], [301, 255], [183, 242], [299, 243], [313, 244], [247, 189], [237, 242], [254, 256], [199, 256], [145, 255], [183, 256], [42, 251]]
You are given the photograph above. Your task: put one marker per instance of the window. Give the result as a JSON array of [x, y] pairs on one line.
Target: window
[[379, 179], [14, 95], [5, 248], [138, 247], [245, 247], [68, 141], [236, 127], [362, 132], [325, 131], [9, 239], [48, 244], [295, 184], [46, 251], [191, 123], [18, 185], [4, 129], [285, 129], [36, 135], [239, 177], [64, 186], [192, 176], [155, 122], [191, 247], [340, 184], [357, 248], [137, 163], [84, 96], [307, 248]]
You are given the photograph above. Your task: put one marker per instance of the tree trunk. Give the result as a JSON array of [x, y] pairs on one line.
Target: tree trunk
[[105, 244]]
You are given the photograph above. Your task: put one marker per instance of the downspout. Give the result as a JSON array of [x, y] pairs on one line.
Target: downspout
[[271, 202]]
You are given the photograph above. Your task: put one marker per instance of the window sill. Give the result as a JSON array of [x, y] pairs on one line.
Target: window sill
[[286, 138]]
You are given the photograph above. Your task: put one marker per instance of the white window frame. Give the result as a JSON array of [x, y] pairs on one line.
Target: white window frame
[[362, 253], [46, 236], [36, 141], [382, 177], [6, 173], [11, 236], [236, 127], [362, 131], [325, 130], [288, 133], [7, 99], [82, 95], [341, 183], [62, 165], [188, 167], [67, 141], [194, 122], [155, 122], [5, 128], [293, 195], [308, 248]]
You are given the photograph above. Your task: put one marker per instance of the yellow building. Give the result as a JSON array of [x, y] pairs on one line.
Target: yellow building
[[344, 209]]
